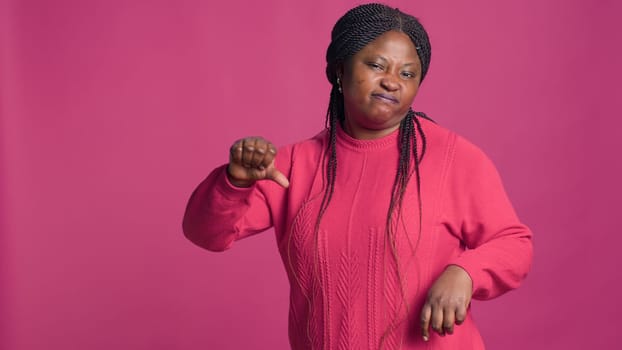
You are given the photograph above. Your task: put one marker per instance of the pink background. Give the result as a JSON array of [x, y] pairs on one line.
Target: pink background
[[113, 111]]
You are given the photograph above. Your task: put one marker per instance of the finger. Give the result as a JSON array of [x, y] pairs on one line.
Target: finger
[[248, 151], [261, 148], [235, 152], [268, 158], [278, 177], [461, 313], [436, 321], [449, 317], [426, 312]]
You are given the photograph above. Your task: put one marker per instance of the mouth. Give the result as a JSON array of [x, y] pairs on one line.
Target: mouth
[[386, 98]]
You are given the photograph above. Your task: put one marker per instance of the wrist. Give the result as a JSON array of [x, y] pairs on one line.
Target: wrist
[[237, 182], [458, 270]]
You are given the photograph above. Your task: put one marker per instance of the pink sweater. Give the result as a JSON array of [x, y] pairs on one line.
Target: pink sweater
[[344, 290]]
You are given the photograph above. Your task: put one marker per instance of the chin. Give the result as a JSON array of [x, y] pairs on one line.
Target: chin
[[384, 121], [383, 125], [384, 116]]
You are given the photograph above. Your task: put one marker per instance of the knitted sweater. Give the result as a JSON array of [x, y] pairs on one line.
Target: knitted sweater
[[348, 289]]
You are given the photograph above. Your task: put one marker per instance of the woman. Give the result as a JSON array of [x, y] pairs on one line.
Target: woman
[[387, 223]]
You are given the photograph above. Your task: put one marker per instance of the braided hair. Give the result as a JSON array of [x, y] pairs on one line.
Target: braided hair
[[352, 32]]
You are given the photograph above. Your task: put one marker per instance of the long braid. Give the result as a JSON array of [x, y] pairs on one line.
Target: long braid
[[408, 144], [329, 163], [397, 195], [335, 108]]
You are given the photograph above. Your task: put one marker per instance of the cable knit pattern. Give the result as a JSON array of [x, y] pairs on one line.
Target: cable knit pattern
[[302, 243], [373, 265], [348, 290], [327, 286], [301, 261], [345, 292], [392, 311]]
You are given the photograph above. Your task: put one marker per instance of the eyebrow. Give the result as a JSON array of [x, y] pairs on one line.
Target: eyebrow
[[404, 65]]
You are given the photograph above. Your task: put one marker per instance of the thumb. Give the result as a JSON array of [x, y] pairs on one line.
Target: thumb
[[426, 314], [277, 176]]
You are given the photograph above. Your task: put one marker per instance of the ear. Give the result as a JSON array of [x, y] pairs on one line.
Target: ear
[[339, 70]]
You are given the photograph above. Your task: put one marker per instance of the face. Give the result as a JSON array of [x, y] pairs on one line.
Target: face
[[379, 84]]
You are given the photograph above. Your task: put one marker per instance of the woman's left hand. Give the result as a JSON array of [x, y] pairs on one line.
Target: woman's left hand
[[447, 302]]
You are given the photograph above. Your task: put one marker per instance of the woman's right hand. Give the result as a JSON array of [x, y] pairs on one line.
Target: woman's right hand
[[252, 159]]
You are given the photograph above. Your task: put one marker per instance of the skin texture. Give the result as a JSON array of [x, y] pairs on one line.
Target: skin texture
[[379, 84], [252, 159], [447, 302]]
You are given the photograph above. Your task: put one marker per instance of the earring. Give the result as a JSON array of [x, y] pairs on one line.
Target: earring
[[339, 85]]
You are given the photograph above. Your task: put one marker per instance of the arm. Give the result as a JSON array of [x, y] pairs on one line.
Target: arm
[[499, 248], [231, 203], [219, 213]]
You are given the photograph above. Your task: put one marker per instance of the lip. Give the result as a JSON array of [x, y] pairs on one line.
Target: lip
[[386, 97]]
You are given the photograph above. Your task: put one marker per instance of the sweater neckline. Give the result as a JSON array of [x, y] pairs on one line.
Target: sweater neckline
[[366, 145]]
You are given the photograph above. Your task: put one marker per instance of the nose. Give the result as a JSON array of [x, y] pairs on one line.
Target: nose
[[389, 82]]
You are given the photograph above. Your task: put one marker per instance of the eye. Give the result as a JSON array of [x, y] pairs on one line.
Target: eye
[[375, 66], [408, 75]]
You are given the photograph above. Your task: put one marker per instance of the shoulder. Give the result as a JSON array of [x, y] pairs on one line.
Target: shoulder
[[437, 137], [311, 145], [309, 150], [455, 144], [455, 153]]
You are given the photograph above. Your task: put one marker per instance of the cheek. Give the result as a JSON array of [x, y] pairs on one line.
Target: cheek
[[357, 90], [412, 92], [362, 87]]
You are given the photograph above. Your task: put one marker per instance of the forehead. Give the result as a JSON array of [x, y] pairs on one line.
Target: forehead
[[394, 44]]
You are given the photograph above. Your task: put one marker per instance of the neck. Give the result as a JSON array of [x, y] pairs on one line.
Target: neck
[[366, 134]]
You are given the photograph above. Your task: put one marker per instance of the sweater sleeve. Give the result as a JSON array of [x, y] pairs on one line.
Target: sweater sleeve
[[497, 246], [219, 213]]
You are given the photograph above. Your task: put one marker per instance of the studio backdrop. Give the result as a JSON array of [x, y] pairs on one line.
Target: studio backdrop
[[113, 111]]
